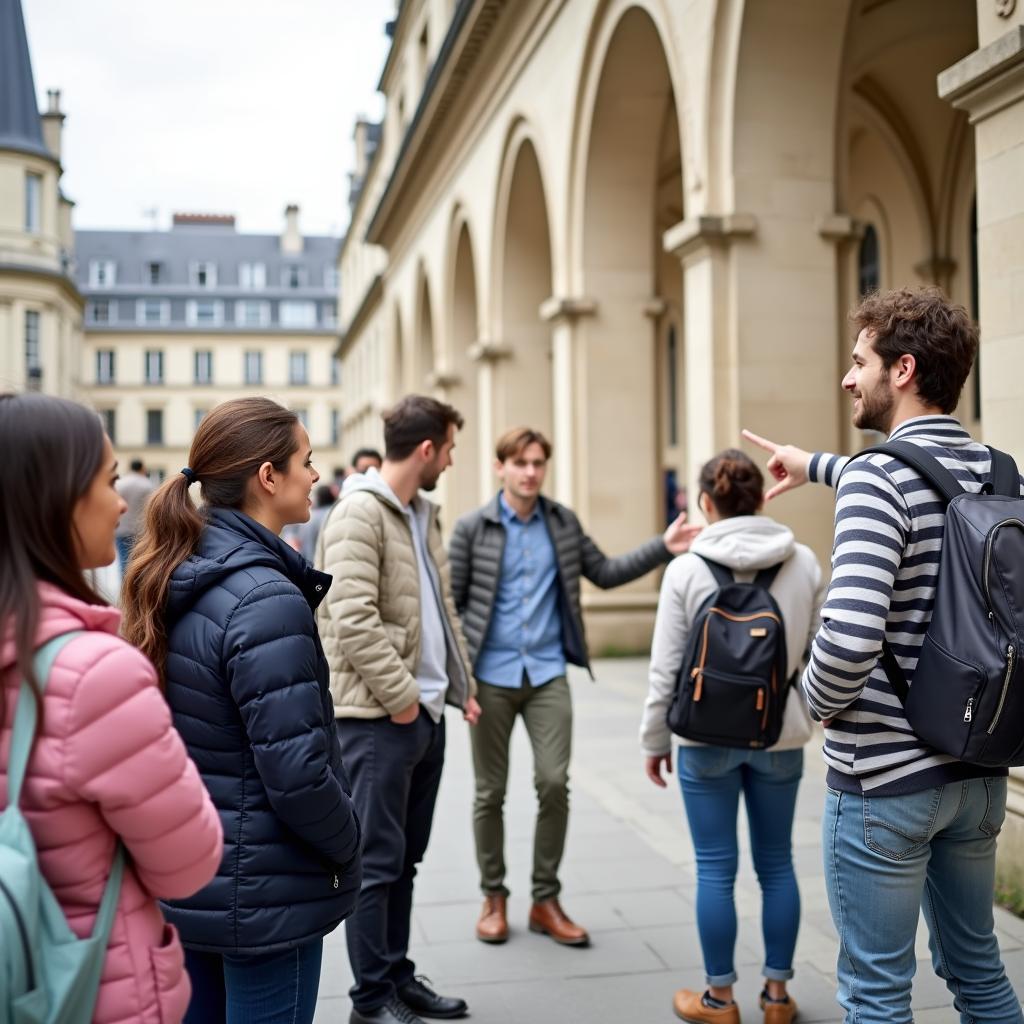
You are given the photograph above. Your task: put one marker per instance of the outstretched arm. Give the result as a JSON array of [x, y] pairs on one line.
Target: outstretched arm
[[793, 467]]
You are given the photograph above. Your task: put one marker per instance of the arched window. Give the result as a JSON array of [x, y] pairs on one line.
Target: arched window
[[869, 275]]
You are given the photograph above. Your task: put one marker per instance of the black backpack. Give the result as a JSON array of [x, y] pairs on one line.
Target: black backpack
[[967, 697], [732, 686]]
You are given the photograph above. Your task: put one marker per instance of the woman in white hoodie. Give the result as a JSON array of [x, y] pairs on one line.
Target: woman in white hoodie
[[712, 777]]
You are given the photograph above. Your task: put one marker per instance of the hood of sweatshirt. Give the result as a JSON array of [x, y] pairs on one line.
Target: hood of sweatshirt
[[373, 482], [745, 543]]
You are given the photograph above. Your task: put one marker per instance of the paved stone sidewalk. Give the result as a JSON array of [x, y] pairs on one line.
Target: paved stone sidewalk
[[628, 877]]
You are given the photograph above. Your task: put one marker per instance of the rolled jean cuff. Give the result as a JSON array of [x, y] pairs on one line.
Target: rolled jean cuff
[[777, 974], [720, 980]]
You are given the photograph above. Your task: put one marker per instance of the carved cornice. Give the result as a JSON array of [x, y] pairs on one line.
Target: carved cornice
[[565, 307], [487, 351]]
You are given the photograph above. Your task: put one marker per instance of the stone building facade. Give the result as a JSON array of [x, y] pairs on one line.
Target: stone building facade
[[639, 225]]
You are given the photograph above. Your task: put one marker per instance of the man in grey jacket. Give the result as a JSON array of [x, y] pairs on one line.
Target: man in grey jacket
[[516, 567]]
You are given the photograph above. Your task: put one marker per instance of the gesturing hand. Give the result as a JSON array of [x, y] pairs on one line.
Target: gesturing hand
[[472, 711], [680, 535], [788, 464]]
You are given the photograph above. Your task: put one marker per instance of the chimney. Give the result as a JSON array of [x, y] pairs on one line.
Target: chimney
[[291, 240], [53, 122]]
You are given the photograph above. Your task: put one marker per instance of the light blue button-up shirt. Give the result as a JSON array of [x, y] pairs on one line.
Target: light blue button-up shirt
[[525, 632]]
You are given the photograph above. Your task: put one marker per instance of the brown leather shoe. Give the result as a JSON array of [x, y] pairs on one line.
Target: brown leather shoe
[[548, 918], [778, 1013], [493, 923], [689, 1006]]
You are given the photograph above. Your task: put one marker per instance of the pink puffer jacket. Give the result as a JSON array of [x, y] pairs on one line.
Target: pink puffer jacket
[[109, 763]]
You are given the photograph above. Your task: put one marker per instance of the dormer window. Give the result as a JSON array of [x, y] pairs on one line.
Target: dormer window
[[203, 274], [102, 273]]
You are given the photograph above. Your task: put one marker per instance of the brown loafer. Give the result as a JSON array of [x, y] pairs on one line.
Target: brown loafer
[[689, 1006], [493, 924], [778, 1013], [548, 918]]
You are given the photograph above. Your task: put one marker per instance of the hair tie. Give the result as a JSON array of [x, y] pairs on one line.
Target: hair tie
[[189, 475]]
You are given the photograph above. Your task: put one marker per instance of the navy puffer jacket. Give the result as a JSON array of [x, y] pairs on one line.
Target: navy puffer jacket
[[247, 683]]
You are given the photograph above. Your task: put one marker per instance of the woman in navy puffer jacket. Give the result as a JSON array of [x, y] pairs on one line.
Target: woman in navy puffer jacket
[[225, 609]]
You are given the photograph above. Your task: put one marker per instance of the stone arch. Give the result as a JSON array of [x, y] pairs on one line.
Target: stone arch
[[517, 354], [461, 369], [397, 376], [424, 355], [629, 192]]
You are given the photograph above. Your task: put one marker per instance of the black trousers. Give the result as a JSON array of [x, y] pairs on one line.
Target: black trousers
[[395, 772]]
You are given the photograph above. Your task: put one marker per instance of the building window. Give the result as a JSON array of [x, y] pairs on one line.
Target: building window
[[335, 428], [298, 368], [153, 273], [100, 312], [335, 372], [329, 314], [252, 313], [204, 312], [106, 365], [33, 203], [293, 276], [297, 314], [253, 367], [672, 387], [109, 417], [204, 366], [154, 426], [152, 312], [154, 366], [303, 416], [199, 414], [102, 273], [331, 279], [33, 362], [868, 267], [203, 274], [252, 275]]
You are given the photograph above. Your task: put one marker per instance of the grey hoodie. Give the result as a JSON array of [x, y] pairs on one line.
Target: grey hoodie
[[745, 544]]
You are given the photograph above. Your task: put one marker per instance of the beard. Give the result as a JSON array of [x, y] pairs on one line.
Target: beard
[[875, 408]]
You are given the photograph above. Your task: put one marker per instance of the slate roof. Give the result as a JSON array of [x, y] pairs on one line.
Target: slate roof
[[20, 127]]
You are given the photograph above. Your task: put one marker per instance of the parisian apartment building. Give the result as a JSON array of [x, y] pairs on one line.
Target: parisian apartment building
[[179, 320]]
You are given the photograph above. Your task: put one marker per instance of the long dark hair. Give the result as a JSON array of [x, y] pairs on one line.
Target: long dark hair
[[233, 440], [53, 450]]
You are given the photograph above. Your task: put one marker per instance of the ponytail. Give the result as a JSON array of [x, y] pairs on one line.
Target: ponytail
[[233, 440]]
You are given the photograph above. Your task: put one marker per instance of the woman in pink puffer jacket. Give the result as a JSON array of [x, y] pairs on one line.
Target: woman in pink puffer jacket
[[107, 763]]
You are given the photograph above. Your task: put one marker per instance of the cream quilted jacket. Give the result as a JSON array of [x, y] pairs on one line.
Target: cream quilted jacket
[[370, 622]]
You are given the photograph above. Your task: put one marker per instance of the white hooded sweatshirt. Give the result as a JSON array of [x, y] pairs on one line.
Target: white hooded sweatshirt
[[745, 544]]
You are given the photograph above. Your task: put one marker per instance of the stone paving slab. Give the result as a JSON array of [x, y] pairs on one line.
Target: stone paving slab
[[628, 878]]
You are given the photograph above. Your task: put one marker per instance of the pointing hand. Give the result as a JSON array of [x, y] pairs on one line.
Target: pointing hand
[[788, 464]]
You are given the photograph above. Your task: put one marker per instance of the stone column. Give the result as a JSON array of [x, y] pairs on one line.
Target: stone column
[[564, 314], [989, 85], [486, 354]]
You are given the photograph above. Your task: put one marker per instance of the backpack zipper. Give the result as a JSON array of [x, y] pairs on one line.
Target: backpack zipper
[[986, 565], [23, 932], [1010, 653]]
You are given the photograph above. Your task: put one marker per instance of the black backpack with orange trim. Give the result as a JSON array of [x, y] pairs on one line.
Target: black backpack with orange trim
[[732, 685]]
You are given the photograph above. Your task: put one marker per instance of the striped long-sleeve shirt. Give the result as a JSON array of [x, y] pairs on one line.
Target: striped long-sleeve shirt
[[885, 561]]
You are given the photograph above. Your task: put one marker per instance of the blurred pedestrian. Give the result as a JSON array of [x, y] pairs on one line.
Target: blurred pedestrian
[[107, 770], [135, 487], [366, 458], [226, 611]]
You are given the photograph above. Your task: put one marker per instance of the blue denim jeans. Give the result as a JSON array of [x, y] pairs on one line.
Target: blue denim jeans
[[889, 857], [272, 988], [712, 779]]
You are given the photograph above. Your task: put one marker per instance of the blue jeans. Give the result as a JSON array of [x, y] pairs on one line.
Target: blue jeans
[[124, 551], [889, 857], [272, 988], [712, 779]]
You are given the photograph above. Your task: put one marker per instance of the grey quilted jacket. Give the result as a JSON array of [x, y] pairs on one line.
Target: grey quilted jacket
[[475, 553]]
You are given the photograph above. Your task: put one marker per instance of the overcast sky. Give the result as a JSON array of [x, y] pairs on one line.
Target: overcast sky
[[214, 106]]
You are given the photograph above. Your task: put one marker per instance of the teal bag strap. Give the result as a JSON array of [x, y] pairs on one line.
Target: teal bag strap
[[22, 735], [25, 717]]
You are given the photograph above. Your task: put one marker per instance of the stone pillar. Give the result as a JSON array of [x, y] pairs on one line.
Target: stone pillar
[[564, 314], [989, 85], [486, 354]]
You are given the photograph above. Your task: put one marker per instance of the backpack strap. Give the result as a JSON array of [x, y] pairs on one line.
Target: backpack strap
[[1005, 478], [26, 717], [927, 465], [723, 576], [766, 577]]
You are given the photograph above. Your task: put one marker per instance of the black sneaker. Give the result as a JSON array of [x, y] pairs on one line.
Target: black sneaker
[[394, 1011], [418, 996]]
